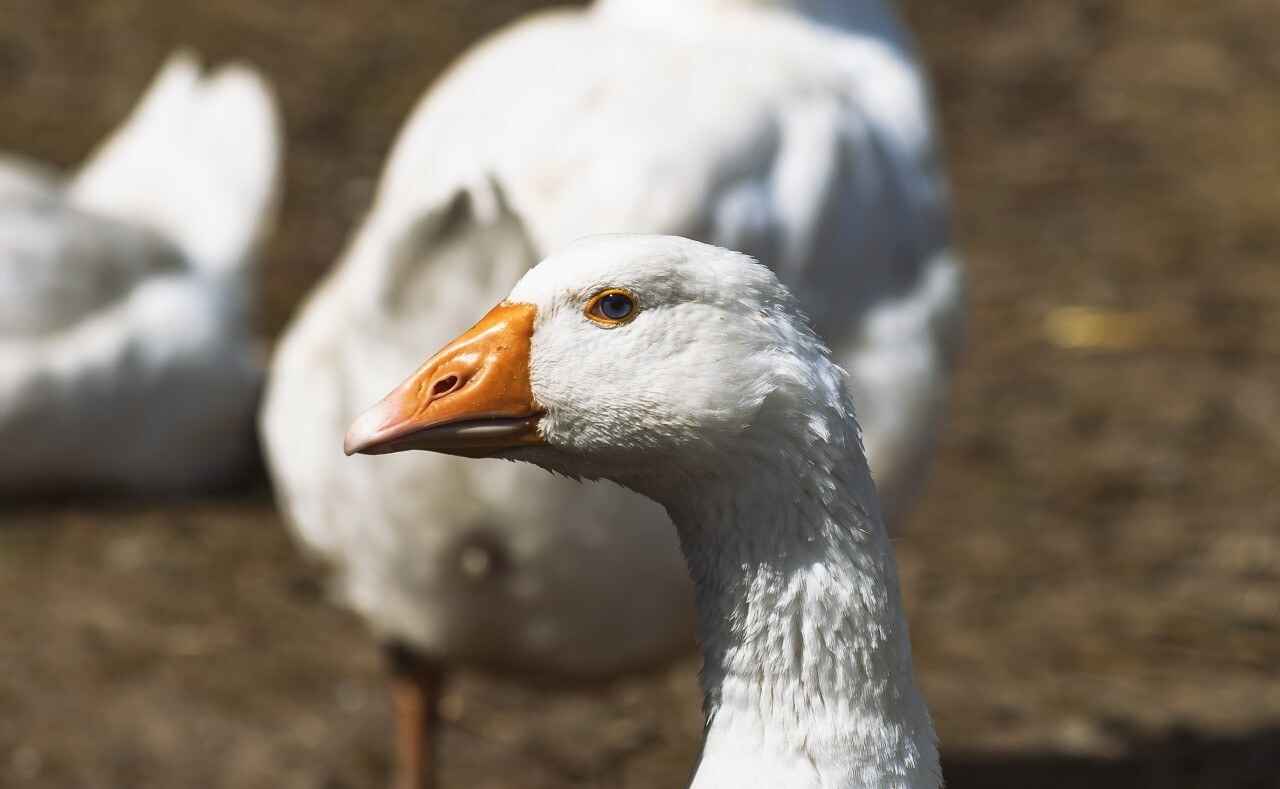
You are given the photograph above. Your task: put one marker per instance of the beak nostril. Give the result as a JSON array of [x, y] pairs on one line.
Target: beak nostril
[[444, 386]]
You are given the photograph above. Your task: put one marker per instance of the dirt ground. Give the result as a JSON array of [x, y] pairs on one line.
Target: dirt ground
[[1093, 575]]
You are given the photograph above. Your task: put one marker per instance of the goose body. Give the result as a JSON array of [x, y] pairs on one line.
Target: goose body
[[799, 133], [125, 345], [701, 386]]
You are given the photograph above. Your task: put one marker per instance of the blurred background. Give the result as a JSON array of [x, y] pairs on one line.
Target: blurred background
[[1092, 576]]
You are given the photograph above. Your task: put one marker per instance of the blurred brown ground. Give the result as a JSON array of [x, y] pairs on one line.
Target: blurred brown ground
[[1093, 578]]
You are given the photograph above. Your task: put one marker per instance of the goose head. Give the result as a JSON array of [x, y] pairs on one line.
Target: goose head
[[687, 373], [627, 357]]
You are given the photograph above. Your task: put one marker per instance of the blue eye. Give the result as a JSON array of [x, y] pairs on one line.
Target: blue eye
[[616, 306], [611, 306]]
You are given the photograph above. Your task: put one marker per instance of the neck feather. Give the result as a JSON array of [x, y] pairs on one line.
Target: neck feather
[[808, 674]]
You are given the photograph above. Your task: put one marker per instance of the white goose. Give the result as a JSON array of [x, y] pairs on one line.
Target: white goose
[[125, 336], [798, 131], [688, 374]]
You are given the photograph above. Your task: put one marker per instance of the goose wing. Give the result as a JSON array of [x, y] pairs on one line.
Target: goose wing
[[59, 265]]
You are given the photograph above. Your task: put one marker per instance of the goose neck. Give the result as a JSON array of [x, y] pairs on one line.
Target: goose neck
[[807, 658]]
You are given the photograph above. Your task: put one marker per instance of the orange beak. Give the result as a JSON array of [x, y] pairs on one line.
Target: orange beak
[[473, 398]]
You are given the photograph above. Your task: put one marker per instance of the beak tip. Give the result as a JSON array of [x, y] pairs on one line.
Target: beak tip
[[364, 432], [353, 443]]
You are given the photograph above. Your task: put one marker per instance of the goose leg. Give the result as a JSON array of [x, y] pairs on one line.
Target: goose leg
[[415, 686]]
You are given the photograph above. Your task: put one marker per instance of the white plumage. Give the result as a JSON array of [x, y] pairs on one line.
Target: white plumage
[[797, 132], [704, 388], [125, 336]]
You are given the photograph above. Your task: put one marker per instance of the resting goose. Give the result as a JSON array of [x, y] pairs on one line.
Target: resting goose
[[688, 374], [125, 336], [796, 131]]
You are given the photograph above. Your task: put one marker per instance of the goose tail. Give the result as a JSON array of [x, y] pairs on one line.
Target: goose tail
[[198, 161]]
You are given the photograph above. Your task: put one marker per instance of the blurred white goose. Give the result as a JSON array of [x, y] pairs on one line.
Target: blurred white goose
[[125, 337], [687, 373], [798, 132]]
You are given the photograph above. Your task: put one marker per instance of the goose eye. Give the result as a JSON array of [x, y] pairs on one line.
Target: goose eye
[[612, 307]]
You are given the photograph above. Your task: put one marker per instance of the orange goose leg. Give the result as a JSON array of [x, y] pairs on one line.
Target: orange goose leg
[[415, 686]]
